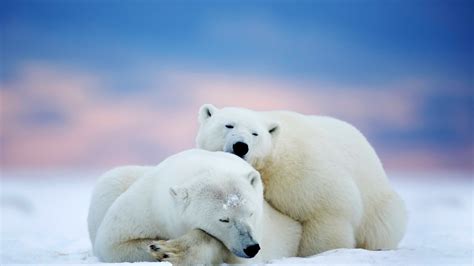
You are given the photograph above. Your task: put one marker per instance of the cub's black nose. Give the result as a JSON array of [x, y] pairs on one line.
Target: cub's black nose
[[252, 250], [240, 149]]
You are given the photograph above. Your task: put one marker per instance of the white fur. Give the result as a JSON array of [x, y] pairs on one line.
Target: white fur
[[133, 207], [318, 170]]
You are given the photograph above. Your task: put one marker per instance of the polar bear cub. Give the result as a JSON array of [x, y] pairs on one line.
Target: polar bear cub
[[194, 207], [317, 170]]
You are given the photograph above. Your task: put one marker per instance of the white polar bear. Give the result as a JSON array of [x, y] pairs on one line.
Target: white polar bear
[[205, 203], [318, 170]]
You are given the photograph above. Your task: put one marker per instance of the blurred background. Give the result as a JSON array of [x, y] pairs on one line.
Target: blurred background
[[95, 84]]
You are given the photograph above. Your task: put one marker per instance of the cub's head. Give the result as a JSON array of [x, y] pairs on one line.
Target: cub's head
[[227, 207], [242, 132]]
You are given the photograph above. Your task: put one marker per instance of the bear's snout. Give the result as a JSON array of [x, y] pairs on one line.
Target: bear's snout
[[240, 149], [252, 250]]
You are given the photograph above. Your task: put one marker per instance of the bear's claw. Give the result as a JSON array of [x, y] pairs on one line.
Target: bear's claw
[[167, 251], [154, 247]]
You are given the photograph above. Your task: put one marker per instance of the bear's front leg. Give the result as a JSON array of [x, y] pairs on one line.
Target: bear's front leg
[[325, 234], [321, 235], [195, 247]]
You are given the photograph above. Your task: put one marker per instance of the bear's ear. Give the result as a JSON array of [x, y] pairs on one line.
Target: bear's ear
[[206, 111], [273, 128], [179, 193], [254, 178]]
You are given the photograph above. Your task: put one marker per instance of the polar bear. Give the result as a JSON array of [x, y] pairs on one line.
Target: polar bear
[[317, 170], [194, 207]]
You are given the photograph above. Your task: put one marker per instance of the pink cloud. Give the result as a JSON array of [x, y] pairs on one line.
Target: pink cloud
[[93, 121], [395, 106], [103, 131]]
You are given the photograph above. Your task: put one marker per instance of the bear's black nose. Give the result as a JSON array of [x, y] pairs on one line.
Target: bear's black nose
[[240, 149], [252, 250]]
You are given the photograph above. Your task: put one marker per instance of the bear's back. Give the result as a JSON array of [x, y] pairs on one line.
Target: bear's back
[[109, 187]]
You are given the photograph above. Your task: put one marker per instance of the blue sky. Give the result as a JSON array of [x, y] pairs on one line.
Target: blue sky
[[343, 41], [416, 57]]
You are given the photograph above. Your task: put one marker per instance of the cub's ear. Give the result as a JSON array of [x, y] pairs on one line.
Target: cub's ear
[[206, 111], [179, 194], [274, 128], [254, 178]]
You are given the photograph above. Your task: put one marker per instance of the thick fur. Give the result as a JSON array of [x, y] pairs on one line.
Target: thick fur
[[169, 212], [318, 170]]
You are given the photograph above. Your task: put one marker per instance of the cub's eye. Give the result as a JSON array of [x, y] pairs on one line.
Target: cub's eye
[[255, 134], [229, 126], [225, 220]]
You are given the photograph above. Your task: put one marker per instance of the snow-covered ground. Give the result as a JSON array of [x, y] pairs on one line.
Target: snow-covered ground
[[43, 220]]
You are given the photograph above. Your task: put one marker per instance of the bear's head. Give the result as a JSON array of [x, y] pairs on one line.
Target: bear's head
[[225, 203], [240, 131]]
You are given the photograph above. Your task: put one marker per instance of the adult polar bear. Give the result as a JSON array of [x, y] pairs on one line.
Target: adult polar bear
[[134, 209], [318, 170]]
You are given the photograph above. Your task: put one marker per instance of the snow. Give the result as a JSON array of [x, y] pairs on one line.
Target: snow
[[232, 201], [43, 220]]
